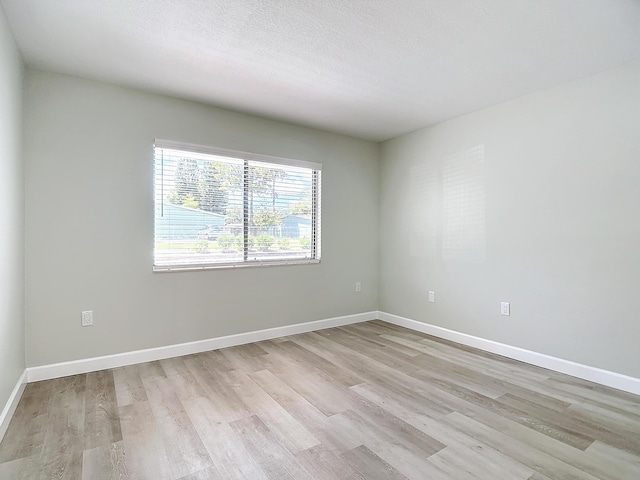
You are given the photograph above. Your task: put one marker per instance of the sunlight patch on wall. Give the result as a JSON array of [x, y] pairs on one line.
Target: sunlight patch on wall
[[425, 193], [463, 206]]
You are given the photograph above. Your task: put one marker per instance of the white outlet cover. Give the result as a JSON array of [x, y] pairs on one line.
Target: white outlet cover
[[432, 296], [87, 318], [505, 308]]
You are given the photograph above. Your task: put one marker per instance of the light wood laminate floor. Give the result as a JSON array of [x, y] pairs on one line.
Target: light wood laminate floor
[[371, 401]]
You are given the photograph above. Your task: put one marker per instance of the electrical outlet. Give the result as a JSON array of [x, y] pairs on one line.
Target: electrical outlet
[[505, 308], [358, 287], [87, 318], [432, 296]]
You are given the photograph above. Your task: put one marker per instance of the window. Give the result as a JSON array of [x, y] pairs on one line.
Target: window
[[221, 208]]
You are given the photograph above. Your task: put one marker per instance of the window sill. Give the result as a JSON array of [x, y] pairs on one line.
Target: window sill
[[232, 266]]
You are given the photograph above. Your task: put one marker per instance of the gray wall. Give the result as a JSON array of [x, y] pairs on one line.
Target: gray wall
[[549, 222], [11, 216], [89, 224]]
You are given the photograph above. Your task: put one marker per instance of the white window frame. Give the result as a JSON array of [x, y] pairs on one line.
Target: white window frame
[[246, 157]]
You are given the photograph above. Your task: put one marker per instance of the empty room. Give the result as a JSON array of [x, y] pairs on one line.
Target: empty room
[[322, 240]]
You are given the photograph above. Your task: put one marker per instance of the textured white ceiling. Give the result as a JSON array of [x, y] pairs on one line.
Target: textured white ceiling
[[368, 68]]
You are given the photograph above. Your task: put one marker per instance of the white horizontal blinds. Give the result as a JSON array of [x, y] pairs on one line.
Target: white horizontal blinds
[[315, 214], [215, 210], [198, 201], [281, 212]]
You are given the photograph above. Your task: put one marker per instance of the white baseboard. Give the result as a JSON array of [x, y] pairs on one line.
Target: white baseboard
[[12, 403], [46, 372], [593, 374], [57, 370]]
